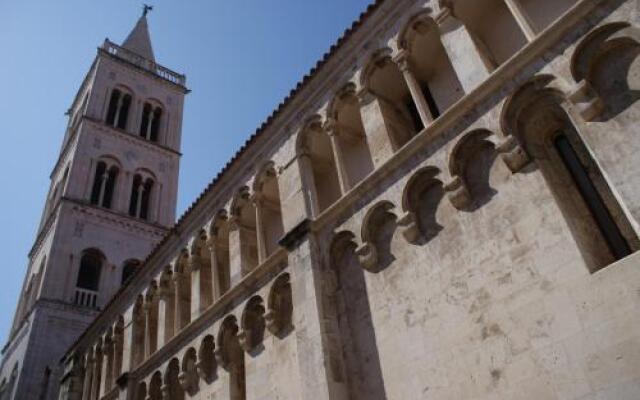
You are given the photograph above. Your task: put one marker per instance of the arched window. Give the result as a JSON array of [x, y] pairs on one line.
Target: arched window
[[139, 204], [118, 111], [130, 268], [90, 268], [150, 123], [104, 184]]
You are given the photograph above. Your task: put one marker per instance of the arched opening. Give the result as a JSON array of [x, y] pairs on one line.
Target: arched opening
[[280, 303], [430, 64], [269, 210], [206, 359], [378, 228], [493, 27], [128, 270], [189, 373], [150, 122], [319, 166], [104, 184], [350, 137], [253, 324], [141, 391], [167, 306], [536, 116], [140, 200], [182, 283], [243, 237], [151, 319], [88, 281], [202, 274], [399, 116], [232, 358], [118, 110], [155, 387], [172, 385], [138, 322], [220, 262], [422, 198]]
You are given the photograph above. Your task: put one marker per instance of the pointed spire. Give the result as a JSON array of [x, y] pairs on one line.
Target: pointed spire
[[139, 40]]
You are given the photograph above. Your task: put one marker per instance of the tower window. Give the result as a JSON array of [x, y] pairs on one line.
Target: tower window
[[90, 268], [150, 123], [130, 268], [607, 226], [141, 191], [118, 110], [104, 184]]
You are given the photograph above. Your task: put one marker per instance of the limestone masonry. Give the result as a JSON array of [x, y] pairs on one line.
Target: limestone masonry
[[446, 207]]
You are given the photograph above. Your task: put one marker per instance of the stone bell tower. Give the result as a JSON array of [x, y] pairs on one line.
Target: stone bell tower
[[112, 199]]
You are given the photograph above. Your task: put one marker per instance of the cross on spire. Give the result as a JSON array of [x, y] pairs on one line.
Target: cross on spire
[[145, 9]]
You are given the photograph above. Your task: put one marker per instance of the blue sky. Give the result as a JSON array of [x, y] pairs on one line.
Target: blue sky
[[241, 58]]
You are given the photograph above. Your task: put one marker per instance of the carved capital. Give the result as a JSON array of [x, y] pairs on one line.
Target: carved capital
[[459, 194], [365, 96], [513, 155], [402, 60], [273, 323], [587, 101], [244, 338], [409, 227], [367, 255]]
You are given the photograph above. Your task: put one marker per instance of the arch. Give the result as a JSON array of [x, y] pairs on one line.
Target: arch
[[347, 297], [421, 198], [200, 258], [430, 63], [141, 196], [231, 357], [603, 64], [243, 227], [105, 181], [167, 305], [378, 227], [253, 324], [141, 391], [119, 106], [182, 282], [269, 208], [172, 387], [155, 387], [536, 114], [91, 262], [318, 165], [206, 365], [189, 376], [151, 119], [386, 93], [493, 28], [129, 268], [279, 318], [220, 260], [346, 125]]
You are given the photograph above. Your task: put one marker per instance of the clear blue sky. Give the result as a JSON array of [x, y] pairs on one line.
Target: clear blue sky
[[241, 58]]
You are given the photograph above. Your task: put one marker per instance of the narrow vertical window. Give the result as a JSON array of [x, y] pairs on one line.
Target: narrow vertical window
[[146, 199], [130, 268], [110, 186], [135, 194], [144, 124], [113, 106], [90, 268], [97, 183], [431, 101], [123, 112], [155, 124], [605, 222]]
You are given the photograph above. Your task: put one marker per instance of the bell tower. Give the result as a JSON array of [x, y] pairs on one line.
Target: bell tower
[[112, 199]]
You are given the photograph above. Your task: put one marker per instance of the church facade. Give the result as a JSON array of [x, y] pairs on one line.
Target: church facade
[[446, 207]]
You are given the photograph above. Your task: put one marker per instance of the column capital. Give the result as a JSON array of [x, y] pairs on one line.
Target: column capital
[[402, 60], [365, 96]]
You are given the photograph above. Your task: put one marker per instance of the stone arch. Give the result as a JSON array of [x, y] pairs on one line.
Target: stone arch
[[201, 273], [420, 201], [539, 117], [386, 94], [142, 196], [269, 210], [119, 107], [189, 376], [230, 356], [428, 61], [318, 165], [166, 291], [172, 388], [346, 128], [378, 227], [141, 391], [206, 365], [105, 181], [351, 322], [279, 318], [470, 163], [154, 391], [92, 263], [243, 226], [220, 259], [606, 65], [253, 324], [151, 119]]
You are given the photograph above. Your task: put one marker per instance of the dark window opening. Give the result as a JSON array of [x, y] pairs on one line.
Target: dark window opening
[[597, 207], [124, 112], [431, 101], [133, 202], [97, 183], [416, 121], [89, 274], [144, 124], [113, 107], [110, 187], [155, 124], [146, 198], [130, 268]]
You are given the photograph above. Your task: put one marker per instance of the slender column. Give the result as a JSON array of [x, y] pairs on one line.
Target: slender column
[[402, 60], [103, 186], [308, 181], [331, 127], [166, 315], [95, 384], [521, 18], [88, 377], [117, 356], [260, 234], [105, 371], [151, 331], [469, 61], [180, 310], [140, 190], [147, 134], [118, 109], [128, 342]]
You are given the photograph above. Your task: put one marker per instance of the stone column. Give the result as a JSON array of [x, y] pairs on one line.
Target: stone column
[[107, 366], [235, 251], [260, 234], [166, 309], [96, 381], [103, 186], [404, 65], [117, 356], [127, 342], [470, 64], [178, 282], [331, 127], [195, 266], [124, 194], [308, 183], [521, 17], [216, 279], [148, 329]]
